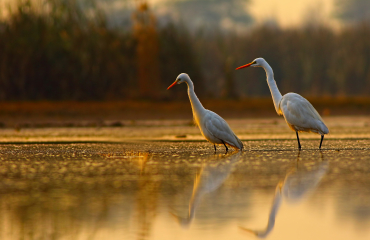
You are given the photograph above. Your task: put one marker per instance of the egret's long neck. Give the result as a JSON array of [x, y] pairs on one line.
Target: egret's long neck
[[276, 95], [196, 106]]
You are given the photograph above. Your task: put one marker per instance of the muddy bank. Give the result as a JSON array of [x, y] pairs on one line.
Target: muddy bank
[[116, 114]]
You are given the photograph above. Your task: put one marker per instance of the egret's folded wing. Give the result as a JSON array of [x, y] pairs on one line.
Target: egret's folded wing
[[219, 128], [300, 112]]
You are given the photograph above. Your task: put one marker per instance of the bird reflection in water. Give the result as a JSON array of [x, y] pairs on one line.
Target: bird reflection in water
[[296, 185], [210, 178]]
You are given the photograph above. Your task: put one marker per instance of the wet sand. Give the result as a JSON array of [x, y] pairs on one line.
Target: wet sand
[[271, 128]]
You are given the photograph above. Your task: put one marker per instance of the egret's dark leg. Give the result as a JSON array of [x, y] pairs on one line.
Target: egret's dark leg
[[215, 147], [299, 153], [322, 138], [225, 146], [299, 144]]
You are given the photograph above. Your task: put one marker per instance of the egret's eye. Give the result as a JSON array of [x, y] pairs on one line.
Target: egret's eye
[[254, 62]]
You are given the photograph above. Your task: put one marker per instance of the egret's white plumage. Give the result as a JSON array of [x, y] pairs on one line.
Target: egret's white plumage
[[299, 114], [213, 127]]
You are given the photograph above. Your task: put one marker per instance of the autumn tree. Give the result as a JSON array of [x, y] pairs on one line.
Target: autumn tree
[[147, 51]]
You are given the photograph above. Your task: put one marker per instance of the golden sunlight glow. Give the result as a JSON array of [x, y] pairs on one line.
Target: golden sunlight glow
[[287, 13], [290, 13]]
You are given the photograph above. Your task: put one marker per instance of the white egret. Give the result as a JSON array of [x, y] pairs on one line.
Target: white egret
[[213, 127], [299, 114]]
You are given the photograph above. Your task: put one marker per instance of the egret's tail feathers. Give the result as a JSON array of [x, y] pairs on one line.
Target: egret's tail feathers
[[326, 130], [240, 143], [323, 128], [237, 144]]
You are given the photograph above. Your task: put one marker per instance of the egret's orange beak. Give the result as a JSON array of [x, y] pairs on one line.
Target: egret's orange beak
[[244, 66], [173, 84]]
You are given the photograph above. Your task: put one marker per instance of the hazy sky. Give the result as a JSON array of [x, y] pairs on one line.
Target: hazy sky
[[293, 12], [286, 12]]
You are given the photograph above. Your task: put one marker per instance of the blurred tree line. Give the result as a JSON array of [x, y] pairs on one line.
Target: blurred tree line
[[65, 53]]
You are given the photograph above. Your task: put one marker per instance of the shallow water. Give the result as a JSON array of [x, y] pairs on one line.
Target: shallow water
[[160, 180], [182, 190]]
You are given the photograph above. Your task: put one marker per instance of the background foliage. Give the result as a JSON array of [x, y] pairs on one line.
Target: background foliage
[[66, 53]]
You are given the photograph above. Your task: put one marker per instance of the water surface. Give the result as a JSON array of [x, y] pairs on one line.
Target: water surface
[[183, 190]]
